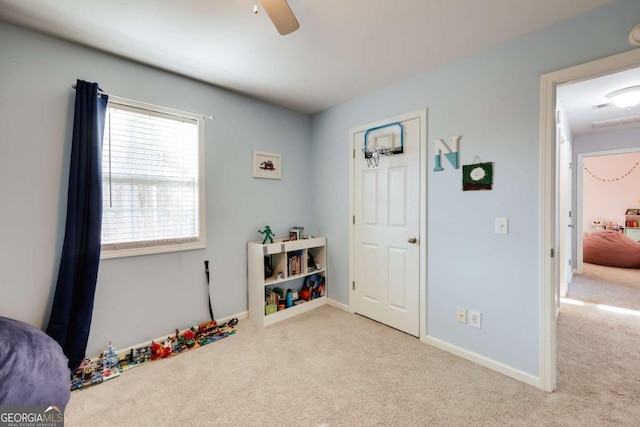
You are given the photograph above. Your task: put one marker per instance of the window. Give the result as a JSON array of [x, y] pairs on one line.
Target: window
[[152, 180]]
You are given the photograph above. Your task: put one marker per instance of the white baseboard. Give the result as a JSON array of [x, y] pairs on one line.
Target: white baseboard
[[465, 354], [485, 361], [240, 316], [122, 352], [442, 345], [339, 305]]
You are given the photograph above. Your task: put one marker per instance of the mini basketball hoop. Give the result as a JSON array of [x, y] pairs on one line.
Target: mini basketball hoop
[[372, 153]]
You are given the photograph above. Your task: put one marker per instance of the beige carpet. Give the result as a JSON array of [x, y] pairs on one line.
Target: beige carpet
[[331, 368], [619, 287]]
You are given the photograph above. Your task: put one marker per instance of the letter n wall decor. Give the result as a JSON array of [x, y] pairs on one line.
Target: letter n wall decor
[[451, 154]]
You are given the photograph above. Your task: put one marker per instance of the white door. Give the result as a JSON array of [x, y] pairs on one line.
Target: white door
[[386, 228]]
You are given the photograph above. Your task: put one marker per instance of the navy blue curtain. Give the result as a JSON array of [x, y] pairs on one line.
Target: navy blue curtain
[[73, 302]]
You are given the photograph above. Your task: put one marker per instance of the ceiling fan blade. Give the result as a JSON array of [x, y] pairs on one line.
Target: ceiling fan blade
[[281, 15]]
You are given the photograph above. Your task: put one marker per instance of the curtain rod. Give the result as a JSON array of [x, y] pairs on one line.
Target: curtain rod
[[120, 98]]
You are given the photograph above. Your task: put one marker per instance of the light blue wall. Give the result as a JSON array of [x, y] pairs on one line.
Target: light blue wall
[[593, 143], [144, 297], [492, 99]]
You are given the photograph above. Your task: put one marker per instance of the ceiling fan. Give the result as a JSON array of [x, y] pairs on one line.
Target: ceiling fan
[[281, 15]]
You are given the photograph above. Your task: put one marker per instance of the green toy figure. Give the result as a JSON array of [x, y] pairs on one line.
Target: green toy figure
[[268, 234]]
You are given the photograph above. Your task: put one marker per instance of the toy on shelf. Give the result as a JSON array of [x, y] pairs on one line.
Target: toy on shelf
[[318, 289], [313, 287], [305, 294], [613, 226], [268, 234]]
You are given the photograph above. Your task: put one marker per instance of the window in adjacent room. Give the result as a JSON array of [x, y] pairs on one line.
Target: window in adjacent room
[[152, 180]]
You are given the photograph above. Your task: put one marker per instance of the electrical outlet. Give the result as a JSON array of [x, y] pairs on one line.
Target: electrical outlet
[[475, 319], [462, 315]]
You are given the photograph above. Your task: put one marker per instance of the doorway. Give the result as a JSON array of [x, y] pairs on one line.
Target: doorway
[[606, 188], [388, 222], [586, 216], [549, 235]]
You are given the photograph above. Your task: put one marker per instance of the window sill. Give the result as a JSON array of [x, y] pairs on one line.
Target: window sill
[[151, 250]]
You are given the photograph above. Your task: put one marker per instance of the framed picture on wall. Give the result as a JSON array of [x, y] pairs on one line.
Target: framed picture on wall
[[477, 176], [267, 165], [632, 211]]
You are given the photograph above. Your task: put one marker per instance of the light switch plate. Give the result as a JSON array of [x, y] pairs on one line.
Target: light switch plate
[[502, 225]]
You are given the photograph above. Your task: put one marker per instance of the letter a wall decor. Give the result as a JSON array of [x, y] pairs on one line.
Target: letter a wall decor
[[451, 154]]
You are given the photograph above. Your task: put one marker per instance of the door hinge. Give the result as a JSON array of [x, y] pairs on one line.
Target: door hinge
[[353, 220], [569, 214], [569, 262], [353, 285], [354, 153], [552, 253]]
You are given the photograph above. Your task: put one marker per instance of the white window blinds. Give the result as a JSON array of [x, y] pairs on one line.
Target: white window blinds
[[150, 176]]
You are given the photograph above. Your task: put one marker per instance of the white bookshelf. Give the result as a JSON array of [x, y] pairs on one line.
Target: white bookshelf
[[280, 252], [631, 225]]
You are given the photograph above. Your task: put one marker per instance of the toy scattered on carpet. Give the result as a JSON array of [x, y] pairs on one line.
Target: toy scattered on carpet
[[108, 366]]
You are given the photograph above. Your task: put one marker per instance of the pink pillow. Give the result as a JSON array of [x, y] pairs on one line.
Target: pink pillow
[[612, 249]]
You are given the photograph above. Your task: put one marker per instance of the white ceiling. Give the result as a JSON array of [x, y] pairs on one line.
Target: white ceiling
[[343, 49], [586, 102]]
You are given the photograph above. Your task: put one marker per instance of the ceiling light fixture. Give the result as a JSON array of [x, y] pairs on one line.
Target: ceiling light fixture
[[625, 98], [634, 36]]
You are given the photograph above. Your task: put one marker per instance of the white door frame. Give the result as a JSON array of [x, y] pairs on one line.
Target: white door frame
[[422, 239], [548, 236], [564, 221], [580, 195]]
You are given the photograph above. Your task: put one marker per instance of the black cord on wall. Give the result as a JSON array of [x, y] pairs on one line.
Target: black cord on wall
[[206, 271]]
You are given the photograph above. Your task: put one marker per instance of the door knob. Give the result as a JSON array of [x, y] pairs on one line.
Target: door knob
[[412, 240], [570, 225]]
